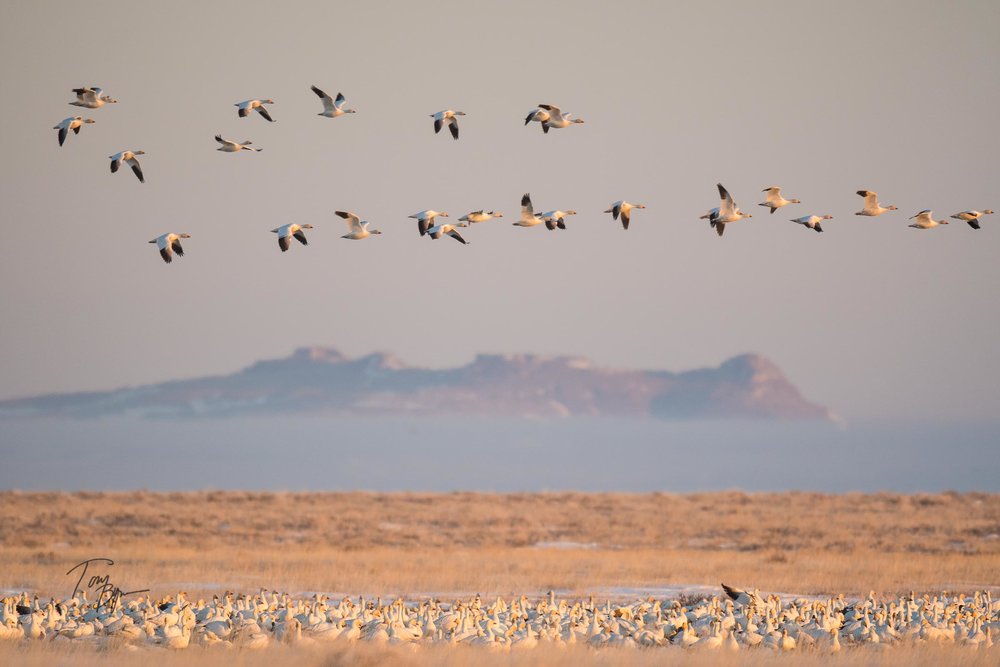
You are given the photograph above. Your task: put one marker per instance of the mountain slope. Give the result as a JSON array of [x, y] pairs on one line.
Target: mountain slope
[[323, 381]]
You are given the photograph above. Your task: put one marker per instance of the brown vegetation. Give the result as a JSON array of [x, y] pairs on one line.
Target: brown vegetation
[[411, 543]]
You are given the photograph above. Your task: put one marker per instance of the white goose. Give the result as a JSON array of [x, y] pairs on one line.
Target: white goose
[[528, 217], [91, 97], [812, 221], [285, 232], [425, 219], [232, 146], [332, 107], [726, 212], [170, 243], [556, 118], [622, 209], [972, 217], [356, 228], [72, 123], [129, 158], [244, 108], [774, 200], [449, 116], [554, 219], [872, 207], [925, 220], [480, 216], [437, 231]]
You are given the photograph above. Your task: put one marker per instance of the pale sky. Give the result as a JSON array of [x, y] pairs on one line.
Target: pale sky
[[870, 318]]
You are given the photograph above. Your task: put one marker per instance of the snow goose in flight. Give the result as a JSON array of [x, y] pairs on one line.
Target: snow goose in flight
[[285, 232], [555, 219], [244, 108], [448, 116], [129, 158], [425, 219], [622, 209], [774, 200], [437, 231], [91, 97], [812, 221], [972, 217], [480, 216], [170, 243], [556, 118], [231, 146], [872, 207], [72, 123], [528, 217], [726, 212], [356, 228], [925, 220], [744, 598], [332, 107]]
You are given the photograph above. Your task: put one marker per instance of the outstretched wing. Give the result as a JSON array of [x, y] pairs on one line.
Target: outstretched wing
[[453, 126], [114, 166], [438, 122], [353, 221], [283, 243], [263, 112], [728, 206], [527, 210], [176, 245], [301, 237], [136, 169]]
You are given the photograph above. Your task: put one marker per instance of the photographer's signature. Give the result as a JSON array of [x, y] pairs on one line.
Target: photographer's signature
[[107, 592]]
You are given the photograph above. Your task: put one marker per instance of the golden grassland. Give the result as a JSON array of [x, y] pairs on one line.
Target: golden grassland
[[495, 544], [368, 655]]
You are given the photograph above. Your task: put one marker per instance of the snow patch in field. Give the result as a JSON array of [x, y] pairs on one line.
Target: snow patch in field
[[565, 545]]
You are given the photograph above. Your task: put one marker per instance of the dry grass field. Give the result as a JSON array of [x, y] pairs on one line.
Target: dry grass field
[[412, 544], [361, 655]]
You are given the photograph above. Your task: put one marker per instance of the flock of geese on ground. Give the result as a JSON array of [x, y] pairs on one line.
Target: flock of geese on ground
[[735, 621], [548, 116]]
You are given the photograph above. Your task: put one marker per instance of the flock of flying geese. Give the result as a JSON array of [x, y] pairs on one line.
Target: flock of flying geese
[[547, 115], [736, 621]]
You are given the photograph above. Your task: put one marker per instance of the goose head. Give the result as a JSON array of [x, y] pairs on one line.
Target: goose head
[[138, 152], [987, 212], [570, 212], [795, 201], [638, 206], [890, 207], [828, 217], [184, 236], [268, 101], [306, 226], [576, 120], [87, 120]]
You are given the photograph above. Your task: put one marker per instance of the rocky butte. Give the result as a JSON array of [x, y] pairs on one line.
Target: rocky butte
[[320, 380]]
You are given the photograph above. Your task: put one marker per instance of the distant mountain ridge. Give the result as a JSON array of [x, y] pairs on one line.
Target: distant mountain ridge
[[321, 380]]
